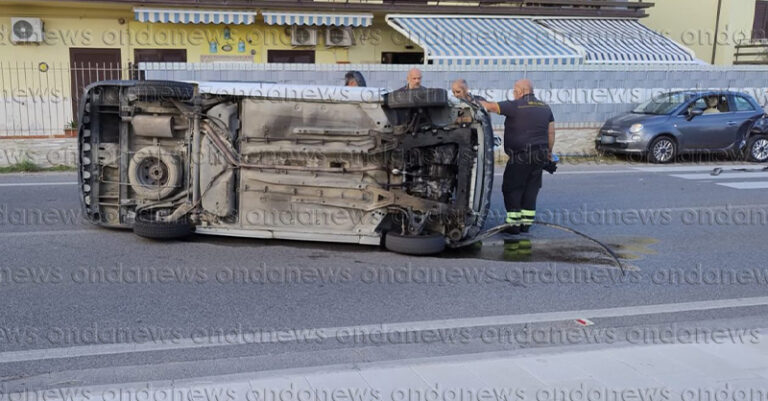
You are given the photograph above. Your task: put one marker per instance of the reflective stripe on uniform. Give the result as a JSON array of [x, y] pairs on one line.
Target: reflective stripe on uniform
[[514, 218], [527, 216]]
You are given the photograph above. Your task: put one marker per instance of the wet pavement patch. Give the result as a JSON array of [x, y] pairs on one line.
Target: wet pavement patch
[[573, 251]]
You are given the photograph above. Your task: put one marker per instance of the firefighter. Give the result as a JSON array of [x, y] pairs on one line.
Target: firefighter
[[529, 135]]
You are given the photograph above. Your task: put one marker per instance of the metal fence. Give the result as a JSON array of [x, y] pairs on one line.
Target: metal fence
[[41, 99]]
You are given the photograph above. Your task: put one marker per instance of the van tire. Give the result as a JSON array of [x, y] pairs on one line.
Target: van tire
[[417, 245], [145, 226]]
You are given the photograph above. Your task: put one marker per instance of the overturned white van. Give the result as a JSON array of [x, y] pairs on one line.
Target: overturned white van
[[410, 170]]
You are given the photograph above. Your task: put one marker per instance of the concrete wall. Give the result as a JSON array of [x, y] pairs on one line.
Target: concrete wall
[[692, 23], [579, 96]]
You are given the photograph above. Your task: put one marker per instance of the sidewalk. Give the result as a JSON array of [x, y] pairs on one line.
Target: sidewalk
[[732, 372], [670, 372]]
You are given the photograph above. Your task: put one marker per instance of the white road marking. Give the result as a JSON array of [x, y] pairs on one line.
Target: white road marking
[[723, 176], [384, 328], [35, 184], [673, 169], [50, 232], [746, 185]]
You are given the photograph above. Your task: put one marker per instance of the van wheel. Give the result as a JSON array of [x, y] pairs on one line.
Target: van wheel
[[154, 173], [757, 149], [418, 245], [662, 150], [147, 227]]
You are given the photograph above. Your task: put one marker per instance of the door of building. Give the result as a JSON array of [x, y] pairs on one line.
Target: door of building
[[88, 66], [155, 56], [290, 56], [760, 27]]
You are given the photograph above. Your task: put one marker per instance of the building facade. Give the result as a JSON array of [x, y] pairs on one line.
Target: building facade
[[713, 29], [51, 50]]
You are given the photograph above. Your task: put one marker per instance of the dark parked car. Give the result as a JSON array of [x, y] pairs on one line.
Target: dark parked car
[[689, 121]]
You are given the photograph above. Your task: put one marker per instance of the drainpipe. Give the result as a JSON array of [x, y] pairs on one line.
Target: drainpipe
[[717, 29]]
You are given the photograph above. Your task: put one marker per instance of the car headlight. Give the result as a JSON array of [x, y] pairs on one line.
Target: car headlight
[[635, 128]]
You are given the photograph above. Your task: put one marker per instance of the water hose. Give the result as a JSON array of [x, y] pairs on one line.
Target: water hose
[[495, 230]]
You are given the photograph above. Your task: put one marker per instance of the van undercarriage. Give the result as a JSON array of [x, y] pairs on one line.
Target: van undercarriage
[[165, 157]]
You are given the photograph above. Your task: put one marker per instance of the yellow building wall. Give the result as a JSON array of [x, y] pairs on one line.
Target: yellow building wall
[[41, 101], [258, 38], [108, 26], [692, 24], [64, 27]]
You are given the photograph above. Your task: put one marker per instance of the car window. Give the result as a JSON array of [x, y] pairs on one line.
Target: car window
[[661, 104], [702, 104], [699, 104], [740, 103]]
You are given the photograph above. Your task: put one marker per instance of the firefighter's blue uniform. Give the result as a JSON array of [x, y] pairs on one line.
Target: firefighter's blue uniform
[[526, 142]]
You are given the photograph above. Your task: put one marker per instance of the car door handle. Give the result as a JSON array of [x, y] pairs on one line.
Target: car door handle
[[732, 123]]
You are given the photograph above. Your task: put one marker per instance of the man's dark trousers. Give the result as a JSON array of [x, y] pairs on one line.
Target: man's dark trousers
[[522, 181]]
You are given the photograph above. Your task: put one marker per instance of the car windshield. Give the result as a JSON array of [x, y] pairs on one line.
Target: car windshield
[[662, 104]]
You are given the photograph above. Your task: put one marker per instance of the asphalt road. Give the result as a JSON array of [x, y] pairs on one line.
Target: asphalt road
[[83, 305]]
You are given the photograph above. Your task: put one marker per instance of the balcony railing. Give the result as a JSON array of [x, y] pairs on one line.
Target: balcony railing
[[574, 8], [753, 52]]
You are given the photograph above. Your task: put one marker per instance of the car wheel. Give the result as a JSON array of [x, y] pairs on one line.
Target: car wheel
[[662, 150], [418, 245], [757, 149], [147, 227]]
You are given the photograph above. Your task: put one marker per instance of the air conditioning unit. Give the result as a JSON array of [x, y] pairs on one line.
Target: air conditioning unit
[[26, 30], [303, 35], [338, 36]]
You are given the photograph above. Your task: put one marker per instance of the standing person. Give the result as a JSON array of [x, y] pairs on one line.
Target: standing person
[[460, 90], [354, 78], [529, 135], [413, 79]]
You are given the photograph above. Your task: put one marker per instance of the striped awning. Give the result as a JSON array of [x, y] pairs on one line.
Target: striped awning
[[194, 16], [318, 19], [619, 41], [483, 40]]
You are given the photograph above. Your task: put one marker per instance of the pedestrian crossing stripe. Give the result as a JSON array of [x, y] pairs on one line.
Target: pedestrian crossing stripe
[[670, 169], [700, 173], [722, 176], [745, 185]]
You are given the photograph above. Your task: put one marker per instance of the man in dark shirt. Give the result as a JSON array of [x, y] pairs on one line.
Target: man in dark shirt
[[529, 135]]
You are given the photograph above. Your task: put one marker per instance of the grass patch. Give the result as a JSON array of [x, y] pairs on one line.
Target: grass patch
[[27, 166]]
